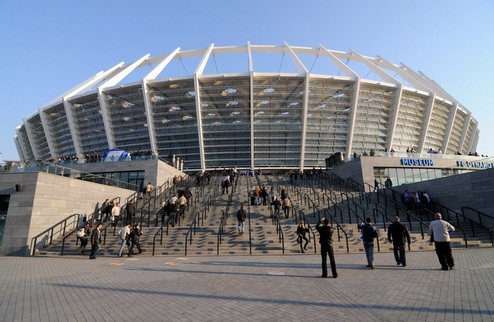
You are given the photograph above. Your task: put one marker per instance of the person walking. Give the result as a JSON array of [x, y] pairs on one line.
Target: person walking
[[276, 205], [301, 235], [149, 190], [241, 215], [131, 210], [106, 209], [326, 241], [95, 240], [439, 230], [83, 236], [115, 214], [398, 234], [264, 195], [368, 235], [124, 238], [287, 204], [135, 234]]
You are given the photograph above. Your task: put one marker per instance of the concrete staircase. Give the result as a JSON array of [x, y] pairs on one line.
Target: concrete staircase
[[264, 238]]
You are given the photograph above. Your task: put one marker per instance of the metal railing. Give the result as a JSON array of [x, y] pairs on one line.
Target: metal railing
[[483, 217], [160, 233], [279, 231], [197, 221], [59, 229], [221, 230], [93, 218]]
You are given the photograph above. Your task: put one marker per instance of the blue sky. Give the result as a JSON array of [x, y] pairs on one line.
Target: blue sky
[[48, 47]]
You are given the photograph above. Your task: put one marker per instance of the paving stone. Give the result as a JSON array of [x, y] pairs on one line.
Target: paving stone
[[247, 288]]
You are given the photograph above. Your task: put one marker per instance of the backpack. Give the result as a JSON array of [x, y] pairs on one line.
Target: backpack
[[81, 232]]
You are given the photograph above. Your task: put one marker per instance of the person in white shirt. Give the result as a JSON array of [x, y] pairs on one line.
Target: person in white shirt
[[115, 213], [439, 230], [124, 238]]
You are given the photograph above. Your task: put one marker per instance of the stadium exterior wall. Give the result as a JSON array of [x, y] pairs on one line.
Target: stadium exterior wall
[[266, 107]]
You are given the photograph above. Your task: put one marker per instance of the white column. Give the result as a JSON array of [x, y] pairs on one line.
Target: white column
[[475, 138], [393, 117], [103, 100], [74, 132], [426, 121], [305, 104], [31, 135], [251, 94], [449, 127], [147, 96], [199, 70], [469, 145], [19, 139], [352, 115], [48, 133]]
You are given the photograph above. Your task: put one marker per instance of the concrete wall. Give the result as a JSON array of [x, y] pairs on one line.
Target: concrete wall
[[45, 200], [351, 169], [155, 171], [474, 189]]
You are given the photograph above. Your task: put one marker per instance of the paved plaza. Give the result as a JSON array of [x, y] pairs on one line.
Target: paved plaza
[[247, 288]]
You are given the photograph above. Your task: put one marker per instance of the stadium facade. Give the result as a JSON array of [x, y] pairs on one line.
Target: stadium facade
[[251, 106]]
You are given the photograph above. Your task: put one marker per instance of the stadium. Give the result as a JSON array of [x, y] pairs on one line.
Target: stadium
[[251, 106]]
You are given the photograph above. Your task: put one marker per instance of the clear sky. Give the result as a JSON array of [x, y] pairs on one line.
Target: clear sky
[[48, 47]]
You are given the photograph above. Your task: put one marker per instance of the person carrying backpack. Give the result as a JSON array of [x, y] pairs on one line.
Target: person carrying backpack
[[82, 235]]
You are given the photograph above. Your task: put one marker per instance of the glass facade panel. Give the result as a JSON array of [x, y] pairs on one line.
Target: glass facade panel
[[60, 131], [372, 118], [401, 176], [409, 122], [225, 112], [436, 131], [278, 104], [89, 122], [128, 119], [39, 138], [175, 121], [327, 120]]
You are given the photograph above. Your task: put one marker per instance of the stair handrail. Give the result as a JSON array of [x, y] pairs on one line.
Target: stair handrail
[[279, 231], [399, 208], [480, 214], [328, 215], [347, 199], [196, 222], [221, 229], [71, 220], [361, 190], [160, 232], [91, 218]]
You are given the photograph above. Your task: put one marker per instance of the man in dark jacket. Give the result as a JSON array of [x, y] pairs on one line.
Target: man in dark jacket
[[95, 240], [131, 211], [135, 235], [368, 235], [397, 234], [326, 241], [241, 216]]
